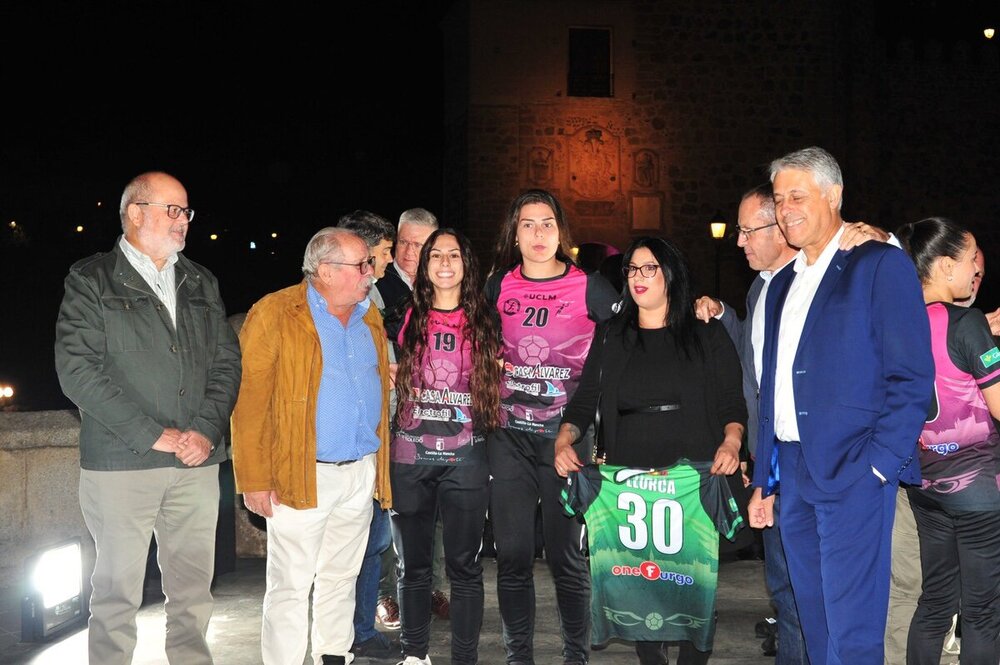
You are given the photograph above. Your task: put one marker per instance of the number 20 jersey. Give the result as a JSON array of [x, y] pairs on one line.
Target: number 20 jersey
[[547, 331], [654, 548]]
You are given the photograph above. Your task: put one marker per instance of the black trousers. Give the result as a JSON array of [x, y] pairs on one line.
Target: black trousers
[[960, 559], [523, 478], [655, 653], [460, 494]]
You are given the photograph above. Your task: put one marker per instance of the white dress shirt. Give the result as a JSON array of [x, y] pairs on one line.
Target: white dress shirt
[[793, 319], [757, 323], [162, 282]]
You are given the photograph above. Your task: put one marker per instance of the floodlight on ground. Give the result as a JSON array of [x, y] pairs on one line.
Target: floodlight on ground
[[53, 595]]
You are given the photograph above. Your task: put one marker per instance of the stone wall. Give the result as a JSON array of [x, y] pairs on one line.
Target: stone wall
[[39, 494], [705, 95]]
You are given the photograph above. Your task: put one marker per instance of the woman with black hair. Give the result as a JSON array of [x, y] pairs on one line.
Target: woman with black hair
[[547, 309], [448, 387], [957, 507], [669, 390]]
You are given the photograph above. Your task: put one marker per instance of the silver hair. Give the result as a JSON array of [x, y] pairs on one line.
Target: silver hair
[[326, 245], [137, 189], [418, 217], [820, 163]]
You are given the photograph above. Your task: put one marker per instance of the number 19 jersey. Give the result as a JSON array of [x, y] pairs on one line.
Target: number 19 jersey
[[654, 549]]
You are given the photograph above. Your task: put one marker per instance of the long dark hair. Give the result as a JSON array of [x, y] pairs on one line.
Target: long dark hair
[[680, 322], [926, 240], [480, 331], [507, 255]]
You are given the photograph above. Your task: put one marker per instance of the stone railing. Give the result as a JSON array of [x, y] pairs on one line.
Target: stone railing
[[39, 493]]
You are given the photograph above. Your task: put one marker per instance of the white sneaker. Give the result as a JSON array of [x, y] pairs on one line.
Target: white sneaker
[[413, 660]]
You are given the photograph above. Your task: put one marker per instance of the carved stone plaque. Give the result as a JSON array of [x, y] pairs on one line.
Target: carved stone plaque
[[594, 163]]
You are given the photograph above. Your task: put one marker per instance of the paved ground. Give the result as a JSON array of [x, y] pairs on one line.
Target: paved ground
[[235, 628]]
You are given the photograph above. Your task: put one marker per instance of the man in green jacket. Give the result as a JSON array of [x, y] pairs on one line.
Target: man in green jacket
[[144, 350]]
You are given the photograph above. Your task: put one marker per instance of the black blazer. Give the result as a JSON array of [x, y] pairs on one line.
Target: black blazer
[[614, 344]]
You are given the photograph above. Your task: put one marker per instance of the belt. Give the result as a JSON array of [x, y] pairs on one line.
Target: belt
[[656, 408], [341, 463]]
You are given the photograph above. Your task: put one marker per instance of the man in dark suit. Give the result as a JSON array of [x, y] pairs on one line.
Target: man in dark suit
[[415, 226], [768, 253], [846, 379]]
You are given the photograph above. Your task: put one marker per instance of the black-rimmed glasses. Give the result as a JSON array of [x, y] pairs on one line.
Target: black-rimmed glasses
[[746, 233], [370, 262], [173, 211], [647, 271]]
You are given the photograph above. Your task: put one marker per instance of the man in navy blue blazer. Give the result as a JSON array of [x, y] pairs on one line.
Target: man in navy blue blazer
[[847, 376]]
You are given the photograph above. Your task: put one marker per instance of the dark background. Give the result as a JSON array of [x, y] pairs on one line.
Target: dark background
[[276, 121]]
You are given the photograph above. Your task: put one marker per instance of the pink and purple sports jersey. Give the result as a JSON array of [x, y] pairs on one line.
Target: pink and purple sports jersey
[[959, 445], [546, 336], [434, 426]]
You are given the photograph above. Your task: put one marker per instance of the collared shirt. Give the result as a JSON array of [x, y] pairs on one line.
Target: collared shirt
[[402, 275], [757, 323], [162, 282], [793, 319], [349, 403]]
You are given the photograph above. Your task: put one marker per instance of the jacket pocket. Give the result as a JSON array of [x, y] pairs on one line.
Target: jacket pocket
[[857, 415], [127, 323], [201, 334]]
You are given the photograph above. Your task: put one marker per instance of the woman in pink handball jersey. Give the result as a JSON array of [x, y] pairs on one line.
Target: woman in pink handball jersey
[[448, 388], [548, 309], [957, 506]]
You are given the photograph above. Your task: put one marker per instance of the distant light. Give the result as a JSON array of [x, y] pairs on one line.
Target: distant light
[[214, 236], [6, 392], [79, 229], [989, 33], [98, 204], [253, 245], [274, 235], [12, 224], [575, 251]]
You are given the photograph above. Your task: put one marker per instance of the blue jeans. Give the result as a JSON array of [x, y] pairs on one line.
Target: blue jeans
[[791, 645], [366, 591]]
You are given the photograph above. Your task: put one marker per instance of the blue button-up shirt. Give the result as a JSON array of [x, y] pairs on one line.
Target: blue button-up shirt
[[349, 405]]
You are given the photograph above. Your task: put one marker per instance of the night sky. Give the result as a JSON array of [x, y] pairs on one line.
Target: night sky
[[274, 123], [277, 119]]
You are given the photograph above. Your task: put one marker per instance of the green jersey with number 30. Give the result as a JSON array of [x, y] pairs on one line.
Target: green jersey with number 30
[[654, 548]]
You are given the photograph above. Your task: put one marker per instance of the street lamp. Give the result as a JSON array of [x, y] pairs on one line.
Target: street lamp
[[718, 228]]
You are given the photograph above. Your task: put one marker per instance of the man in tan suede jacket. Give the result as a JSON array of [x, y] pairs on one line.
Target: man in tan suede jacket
[[310, 443]]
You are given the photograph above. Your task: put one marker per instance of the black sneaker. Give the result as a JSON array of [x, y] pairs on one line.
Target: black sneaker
[[766, 627], [379, 646], [770, 645]]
